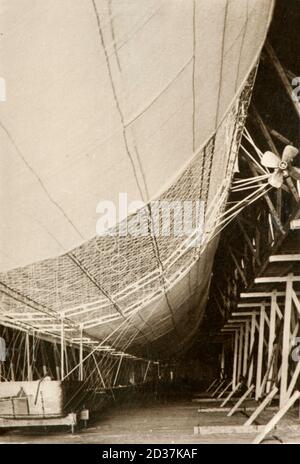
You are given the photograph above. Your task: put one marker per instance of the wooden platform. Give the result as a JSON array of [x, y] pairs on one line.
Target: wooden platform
[[35, 398], [243, 429], [36, 421]]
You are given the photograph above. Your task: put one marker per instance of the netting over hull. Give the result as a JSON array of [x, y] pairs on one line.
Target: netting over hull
[[110, 96], [136, 292], [147, 97]]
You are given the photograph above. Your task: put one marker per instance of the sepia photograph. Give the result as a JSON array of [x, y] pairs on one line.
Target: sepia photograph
[[149, 225]]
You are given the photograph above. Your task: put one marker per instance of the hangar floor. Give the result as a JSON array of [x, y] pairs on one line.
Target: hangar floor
[[170, 422]]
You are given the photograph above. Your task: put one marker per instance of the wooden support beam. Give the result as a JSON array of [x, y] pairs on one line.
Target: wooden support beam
[[270, 280], [235, 356], [98, 370], [282, 75], [230, 395], [291, 344], [252, 339], [246, 348], [284, 258], [253, 305], [81, 357], [260, 353], [296, 372], [227, 429], [218, 388], [279, 136], [264, 129], [223, 360], [260, 295], [206, 400], [242, 429], [272, 423], [220, 308], [248, 241], [241, 400], [146, 371], [12, 372], [62, 350], [296, 301], [211, 385], [69, 420], [244, 313], [224, 390], [118, 370], [228, 408], [278, 311], [262, 406], [271, 338], [240, 354], [295, 224], [57, 361], [286, 340], [293, 380], [28, 358], [240, 270]]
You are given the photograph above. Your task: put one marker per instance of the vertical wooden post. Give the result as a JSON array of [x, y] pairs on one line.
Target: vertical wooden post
[[12, 367], [74, 360], [240, 353], [235, 356], [57, 369], [271, 339], [81, 356], [146, 371], [246, 348], [62, 350], [132, 375], [260, 352], [286, 341], [223, 361], [43, 359], [252, 339], [29, 370], [66, 359], [12, 372]]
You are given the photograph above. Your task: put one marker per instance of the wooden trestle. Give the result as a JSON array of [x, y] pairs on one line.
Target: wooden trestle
[[258, 294], [260, 357]]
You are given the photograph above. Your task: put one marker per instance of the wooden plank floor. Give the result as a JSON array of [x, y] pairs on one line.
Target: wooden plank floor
[[169, 423]]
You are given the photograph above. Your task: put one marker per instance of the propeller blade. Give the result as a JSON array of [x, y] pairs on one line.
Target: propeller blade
[[270, 160], [276, 179], [294, 172], [289, 153]]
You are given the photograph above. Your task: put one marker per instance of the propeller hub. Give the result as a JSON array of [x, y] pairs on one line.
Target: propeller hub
[[283, 165]]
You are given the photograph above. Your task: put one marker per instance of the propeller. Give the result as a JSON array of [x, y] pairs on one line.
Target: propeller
[[282, 167]]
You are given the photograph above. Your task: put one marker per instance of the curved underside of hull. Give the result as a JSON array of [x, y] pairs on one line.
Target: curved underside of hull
[[166, 87]]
